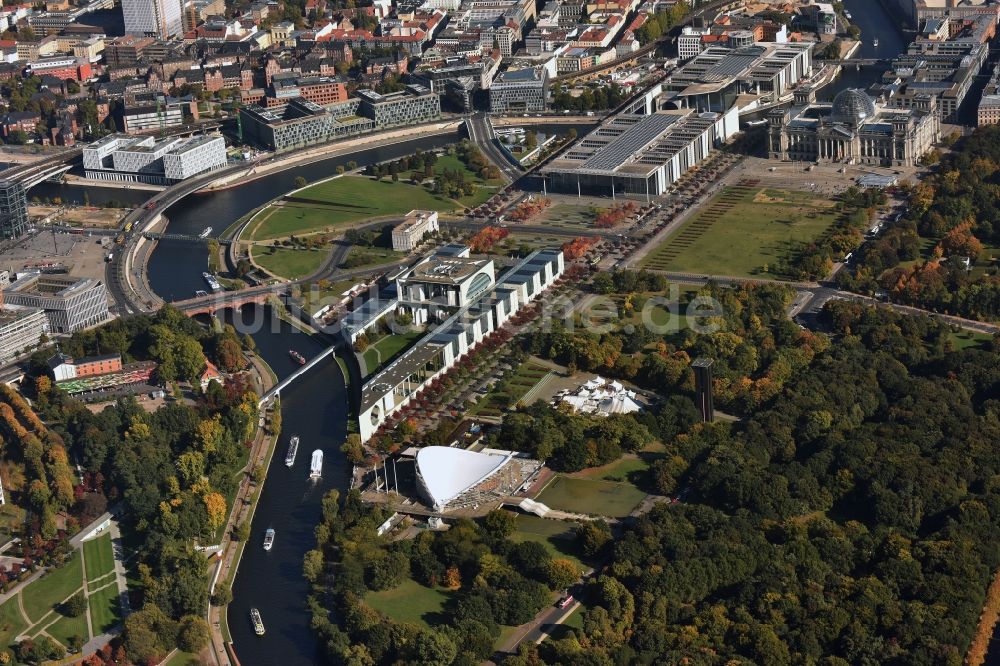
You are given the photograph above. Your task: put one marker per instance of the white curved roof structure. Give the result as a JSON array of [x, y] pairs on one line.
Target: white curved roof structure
[[445, 473]]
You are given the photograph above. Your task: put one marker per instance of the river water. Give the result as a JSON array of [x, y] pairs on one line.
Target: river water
[[874, 21], [314, 407]]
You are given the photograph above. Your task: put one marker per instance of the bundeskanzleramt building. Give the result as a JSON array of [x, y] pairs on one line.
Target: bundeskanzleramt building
[[521, 91], [121, 157], [854, 129], [70, 303], [21, 328], [13, 209], [482, 308], [639, 155]]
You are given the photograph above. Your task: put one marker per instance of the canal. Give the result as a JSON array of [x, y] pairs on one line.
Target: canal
[[316, 409]]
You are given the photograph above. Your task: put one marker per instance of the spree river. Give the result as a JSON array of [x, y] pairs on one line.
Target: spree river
[[315, 407]]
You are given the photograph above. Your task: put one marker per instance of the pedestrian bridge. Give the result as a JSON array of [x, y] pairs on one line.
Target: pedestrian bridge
[[284, 383]]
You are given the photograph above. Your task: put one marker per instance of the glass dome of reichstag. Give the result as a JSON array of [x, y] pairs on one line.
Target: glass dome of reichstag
[[853, 106]]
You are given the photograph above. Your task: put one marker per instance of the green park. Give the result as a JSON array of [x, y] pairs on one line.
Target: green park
[[591, 496], [70, 603], [341, 202], [744, 231]]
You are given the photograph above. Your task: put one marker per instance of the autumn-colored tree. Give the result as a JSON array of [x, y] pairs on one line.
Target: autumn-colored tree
[[215, 505], [230, 356], [452, 578], [578, 247], [961, 242], [209, 433]]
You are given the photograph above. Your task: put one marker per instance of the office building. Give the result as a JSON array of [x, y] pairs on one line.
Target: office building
[[153, 18], [13, 209], [75, 69], [459, 79], [943, 63], [144, 116], [126, 51], [439, 283], [70, 303], [520, 91], [322, 90], [689, 42], [411, 106], [822, 16], [120, 157], [854, 129], [301, 123], [417, 223], [21, 329], [639, 155], [720, 77]]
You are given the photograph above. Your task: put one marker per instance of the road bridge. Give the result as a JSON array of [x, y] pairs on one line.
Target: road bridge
[[480, 129], [232, 300]]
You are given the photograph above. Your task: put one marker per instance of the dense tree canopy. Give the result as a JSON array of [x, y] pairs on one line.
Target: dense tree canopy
[[851, 520]]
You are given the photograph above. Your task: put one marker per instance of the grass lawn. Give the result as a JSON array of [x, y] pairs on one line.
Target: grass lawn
[[360, 256], [965, 339], [66, 627], [104, 610], [11, 622], [591, 496], [48, 591], [452, 163], [288, 263], [98, 557], [340, 202], [181, 658], [385, 349], [741, 231], [522, 243], [569, 216], [484, 188], [511, 391], [410, 602], [556, 535]]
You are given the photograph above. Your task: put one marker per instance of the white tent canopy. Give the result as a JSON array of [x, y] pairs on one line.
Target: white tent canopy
[[445, 473], [602, 397]]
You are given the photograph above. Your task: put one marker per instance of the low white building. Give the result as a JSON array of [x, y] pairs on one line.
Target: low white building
[[417, 223]]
